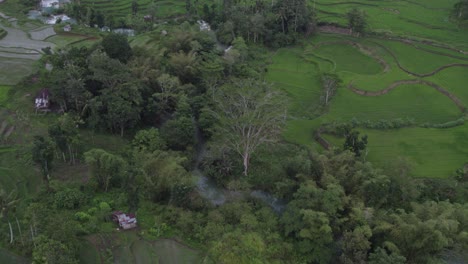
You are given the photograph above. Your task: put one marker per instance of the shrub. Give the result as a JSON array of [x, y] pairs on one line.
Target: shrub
[[69, 199], [340, 128], [148, 140], [449, 124], [92, 210], [178, 133], [104, 207], [82, 217]]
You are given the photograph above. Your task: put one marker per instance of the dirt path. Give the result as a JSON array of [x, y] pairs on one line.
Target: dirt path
[[394, 85], [334, 30]]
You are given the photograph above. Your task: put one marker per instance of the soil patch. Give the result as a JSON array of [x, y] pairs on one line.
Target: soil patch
[[334, 30]]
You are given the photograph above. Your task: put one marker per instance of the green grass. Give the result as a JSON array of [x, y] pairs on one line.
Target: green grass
[[415, 19], [4, 94], [297, 77], [417, 60], [420, 102], [434, 153], [346, 58], [64, 40], [17, 171], [128, 247], [88, 253], [13, 70], [455, 80]]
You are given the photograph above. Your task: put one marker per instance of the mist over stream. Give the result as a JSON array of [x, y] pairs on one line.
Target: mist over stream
[[216, 195]]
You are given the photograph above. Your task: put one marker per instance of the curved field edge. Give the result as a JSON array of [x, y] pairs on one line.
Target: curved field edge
[[396, 84]]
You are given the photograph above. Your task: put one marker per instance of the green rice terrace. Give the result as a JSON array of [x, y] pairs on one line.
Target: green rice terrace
[[385, 79], [121, 8]]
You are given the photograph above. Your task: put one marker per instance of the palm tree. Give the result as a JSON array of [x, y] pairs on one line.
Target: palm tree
[[8, 202]]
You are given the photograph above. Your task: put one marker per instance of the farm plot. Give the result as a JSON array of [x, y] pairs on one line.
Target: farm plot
[[379, 84], [17, 55], [119, 9], [298, 78], [417, 18], [430, 152]]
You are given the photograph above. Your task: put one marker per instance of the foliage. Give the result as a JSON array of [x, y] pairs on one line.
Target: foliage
[[106, 168], [69, 199], [330, 83], [460, 10], [380, 256], [353, 143], [449, 124], [357, 21], [43, 154], [178, 133], [52, 251], [249, 113], [116, 47], [161, 174], [148, 140], [65, 135], [239, 247]]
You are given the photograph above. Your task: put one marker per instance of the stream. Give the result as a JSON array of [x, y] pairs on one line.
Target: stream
[[216, 195]]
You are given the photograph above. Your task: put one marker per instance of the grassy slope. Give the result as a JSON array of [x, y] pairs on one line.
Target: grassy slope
[[4, 94], [432, 152], [435, 153], [297, 77], [16, 68], [416, 18]]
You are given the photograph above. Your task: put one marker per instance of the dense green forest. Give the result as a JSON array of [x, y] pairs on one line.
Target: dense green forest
[[238, 132]]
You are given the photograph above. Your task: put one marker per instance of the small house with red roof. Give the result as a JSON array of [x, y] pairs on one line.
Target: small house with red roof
[[125, 221]]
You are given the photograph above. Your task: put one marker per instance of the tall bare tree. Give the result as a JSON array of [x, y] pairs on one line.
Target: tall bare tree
[[330, 83], [249, 113]]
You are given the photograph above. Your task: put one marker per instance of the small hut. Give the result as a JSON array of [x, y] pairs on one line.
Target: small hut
[[67, 28], [41, 101], [125, 221]]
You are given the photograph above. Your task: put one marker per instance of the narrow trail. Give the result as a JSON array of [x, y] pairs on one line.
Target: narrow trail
[[394, 85]]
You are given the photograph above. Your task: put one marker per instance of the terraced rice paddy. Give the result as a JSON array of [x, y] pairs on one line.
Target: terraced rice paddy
[[384, 79], [424, 19], [18, 52], [121, 8]]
